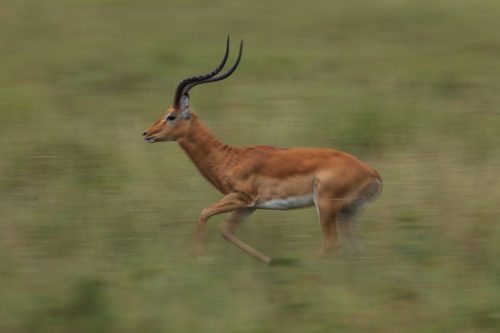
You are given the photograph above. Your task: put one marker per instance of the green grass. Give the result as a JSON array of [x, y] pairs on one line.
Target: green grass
[[96, 227]]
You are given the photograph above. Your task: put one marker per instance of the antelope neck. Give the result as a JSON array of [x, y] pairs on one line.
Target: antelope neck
[[207, 153]]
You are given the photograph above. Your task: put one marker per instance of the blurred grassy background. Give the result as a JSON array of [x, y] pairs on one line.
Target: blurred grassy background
[[96, 226]]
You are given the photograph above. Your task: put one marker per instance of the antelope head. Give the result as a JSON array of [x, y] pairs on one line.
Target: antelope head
[[175, 123]]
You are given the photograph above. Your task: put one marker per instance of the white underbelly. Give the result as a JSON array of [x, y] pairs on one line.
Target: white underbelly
[[287, 203]]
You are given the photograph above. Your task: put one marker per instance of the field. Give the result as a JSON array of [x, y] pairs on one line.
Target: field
[[96, 226]]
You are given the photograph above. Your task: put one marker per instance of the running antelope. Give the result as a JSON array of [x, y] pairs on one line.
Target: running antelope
[[264, 177]]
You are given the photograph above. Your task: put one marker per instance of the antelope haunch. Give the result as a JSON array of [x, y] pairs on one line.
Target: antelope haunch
[[263, 177]]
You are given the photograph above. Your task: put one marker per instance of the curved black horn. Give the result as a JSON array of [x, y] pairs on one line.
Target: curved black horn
[[217, 78], [181, 86]]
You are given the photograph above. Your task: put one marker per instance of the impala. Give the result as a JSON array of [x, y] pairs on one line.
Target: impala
[[264, 177]]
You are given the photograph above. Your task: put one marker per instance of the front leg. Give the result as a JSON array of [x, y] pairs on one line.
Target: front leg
[[227, 229], [230, 202]]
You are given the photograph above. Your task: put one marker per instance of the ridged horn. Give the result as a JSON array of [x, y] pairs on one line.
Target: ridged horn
[[182, 85]]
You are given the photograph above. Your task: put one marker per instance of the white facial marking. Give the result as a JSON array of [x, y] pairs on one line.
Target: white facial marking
[[287, 203]]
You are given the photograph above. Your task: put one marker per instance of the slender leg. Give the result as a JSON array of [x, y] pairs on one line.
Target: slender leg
[[327, 210], [229, 203], [330, 233], [346, 228], [228, 227]]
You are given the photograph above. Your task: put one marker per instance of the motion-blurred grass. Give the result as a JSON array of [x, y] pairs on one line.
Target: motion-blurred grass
[[96, 226]]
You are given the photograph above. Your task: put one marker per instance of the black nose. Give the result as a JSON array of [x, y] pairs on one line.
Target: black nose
[[144, 133]]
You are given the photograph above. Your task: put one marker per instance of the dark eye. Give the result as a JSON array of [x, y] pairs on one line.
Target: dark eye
[[170, 117]]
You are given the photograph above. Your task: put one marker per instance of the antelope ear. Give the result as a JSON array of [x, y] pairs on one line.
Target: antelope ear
[[186, 113]]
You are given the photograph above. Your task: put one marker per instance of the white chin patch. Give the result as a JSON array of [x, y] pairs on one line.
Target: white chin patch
[[287, 203], [151, 140]]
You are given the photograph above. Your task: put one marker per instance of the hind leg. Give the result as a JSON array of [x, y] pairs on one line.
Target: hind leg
[[327, 212], [347, 226], [328, 206], [348, 216]]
